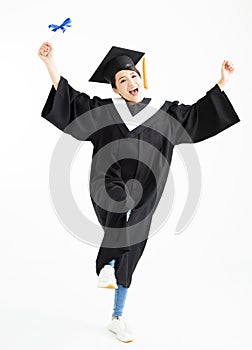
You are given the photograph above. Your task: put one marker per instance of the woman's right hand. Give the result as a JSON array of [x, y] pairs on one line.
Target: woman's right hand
[[45, 52]]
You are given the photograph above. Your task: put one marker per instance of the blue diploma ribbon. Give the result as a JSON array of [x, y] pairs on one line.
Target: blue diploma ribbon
[[55, 27]]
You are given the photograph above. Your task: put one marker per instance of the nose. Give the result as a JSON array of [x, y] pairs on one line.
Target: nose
[[131, 81]]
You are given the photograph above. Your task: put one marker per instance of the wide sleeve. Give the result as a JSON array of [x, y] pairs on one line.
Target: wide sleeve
[[207, 117], [69, 109]]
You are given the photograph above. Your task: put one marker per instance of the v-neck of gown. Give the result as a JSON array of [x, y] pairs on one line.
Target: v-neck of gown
[[137, 107], [133, 117]]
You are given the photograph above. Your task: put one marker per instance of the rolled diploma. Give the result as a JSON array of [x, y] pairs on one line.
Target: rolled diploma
[[55, 34]]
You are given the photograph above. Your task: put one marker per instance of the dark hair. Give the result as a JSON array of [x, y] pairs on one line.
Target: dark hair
[[133, 68]]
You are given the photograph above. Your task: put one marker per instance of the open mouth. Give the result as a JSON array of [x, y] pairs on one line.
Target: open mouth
[[134, 91]]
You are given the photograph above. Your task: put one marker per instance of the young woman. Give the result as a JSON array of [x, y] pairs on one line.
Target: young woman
[[124, 209]]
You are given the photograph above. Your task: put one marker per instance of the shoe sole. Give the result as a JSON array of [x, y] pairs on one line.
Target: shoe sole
[[108, 286], [124, 341]]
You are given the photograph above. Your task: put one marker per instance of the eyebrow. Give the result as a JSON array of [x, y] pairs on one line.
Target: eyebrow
[[133, 72]]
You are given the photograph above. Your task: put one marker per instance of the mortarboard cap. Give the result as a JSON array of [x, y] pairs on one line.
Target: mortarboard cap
[[116, 59]]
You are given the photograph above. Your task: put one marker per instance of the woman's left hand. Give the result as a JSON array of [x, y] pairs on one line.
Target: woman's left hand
[[227, 69]]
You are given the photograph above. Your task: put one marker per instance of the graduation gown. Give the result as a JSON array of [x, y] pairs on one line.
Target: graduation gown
[[130, 166]]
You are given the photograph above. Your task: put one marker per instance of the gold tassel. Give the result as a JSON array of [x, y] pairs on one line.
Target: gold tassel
[[144, 73]]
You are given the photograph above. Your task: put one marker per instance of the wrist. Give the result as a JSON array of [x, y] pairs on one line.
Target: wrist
[[49, 62], [222, 83]]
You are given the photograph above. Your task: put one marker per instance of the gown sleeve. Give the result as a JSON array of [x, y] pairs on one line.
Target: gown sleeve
[[68, 109], [205, 118], [71, 111]]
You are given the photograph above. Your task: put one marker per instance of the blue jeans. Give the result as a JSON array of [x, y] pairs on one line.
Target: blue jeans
[[121, 292], [120, 297]]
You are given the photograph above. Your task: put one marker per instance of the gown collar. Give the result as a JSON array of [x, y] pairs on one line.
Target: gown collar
[[134, 122]]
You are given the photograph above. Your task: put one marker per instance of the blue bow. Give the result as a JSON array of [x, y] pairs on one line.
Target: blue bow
[[55, 27]]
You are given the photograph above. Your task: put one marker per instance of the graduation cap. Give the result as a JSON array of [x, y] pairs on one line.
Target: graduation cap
[[118, 59]]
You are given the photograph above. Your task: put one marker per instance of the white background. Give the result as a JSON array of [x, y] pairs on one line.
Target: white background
[[191, 291]]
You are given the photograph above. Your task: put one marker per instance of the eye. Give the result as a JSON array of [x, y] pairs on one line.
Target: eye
[[122, 81], [134, 76]]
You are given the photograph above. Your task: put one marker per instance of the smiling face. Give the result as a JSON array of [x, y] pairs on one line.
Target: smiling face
[[129, 85]]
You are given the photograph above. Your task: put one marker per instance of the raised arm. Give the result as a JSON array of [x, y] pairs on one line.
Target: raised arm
[[45, 52], [207, 117], [227, 69]]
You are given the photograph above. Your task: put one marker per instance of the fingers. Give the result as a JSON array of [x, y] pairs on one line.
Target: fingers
[[45, 48], [228, 65]]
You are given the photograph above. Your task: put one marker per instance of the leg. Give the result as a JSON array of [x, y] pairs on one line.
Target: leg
[[107, 276], [111, 263], [119, 301], [118, 325]]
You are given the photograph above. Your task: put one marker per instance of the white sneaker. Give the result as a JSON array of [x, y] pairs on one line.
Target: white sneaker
[[107, 278], [121, 330]]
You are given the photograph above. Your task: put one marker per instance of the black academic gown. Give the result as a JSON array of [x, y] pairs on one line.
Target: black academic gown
[[123, 159]]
